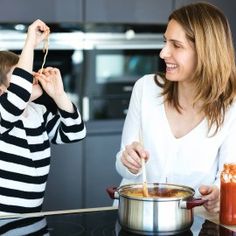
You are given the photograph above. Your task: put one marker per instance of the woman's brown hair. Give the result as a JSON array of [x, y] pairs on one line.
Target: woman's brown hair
[[8, 59], [215, 75]]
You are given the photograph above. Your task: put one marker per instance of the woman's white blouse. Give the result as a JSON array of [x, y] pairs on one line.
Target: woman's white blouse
[[195, 159]]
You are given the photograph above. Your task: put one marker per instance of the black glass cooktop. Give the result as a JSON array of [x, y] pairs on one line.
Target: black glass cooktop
[[99, 223]]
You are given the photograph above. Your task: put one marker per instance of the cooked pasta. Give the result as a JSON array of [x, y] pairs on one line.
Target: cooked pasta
[[45, 50], [157, 193]]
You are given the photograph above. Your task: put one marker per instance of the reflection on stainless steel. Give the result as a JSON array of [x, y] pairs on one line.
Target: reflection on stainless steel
[[120, 41], [85, 104], [14, 40], [11, 39]]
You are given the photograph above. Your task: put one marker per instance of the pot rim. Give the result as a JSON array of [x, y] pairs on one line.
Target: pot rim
[[152, 185]]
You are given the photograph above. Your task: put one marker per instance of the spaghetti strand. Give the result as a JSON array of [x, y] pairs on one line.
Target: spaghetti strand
[[45, 50]]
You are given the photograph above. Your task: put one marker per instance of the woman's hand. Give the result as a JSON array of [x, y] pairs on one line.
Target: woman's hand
[[212, 194], [131, 157]]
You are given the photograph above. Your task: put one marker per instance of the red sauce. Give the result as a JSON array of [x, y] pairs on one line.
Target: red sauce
[[228, 195]]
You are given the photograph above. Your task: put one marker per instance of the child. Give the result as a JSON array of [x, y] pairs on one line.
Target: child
[[27, 128]]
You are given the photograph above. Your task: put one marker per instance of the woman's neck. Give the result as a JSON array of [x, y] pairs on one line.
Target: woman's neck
[[186, 95]]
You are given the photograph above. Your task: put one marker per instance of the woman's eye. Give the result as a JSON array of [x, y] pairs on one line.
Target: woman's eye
[[176, 45]]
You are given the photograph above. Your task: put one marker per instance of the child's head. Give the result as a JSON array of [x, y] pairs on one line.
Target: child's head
[[8, 61]]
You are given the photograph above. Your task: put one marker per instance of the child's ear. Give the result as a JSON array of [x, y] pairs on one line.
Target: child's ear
[[2, 89]]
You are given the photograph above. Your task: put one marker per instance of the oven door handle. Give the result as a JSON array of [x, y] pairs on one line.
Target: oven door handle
[[85, 108], [141, 46]]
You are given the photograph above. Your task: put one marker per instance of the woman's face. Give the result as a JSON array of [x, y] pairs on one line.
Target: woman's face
[[178, 53]]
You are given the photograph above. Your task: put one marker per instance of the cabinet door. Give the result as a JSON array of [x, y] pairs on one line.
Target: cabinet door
[[132, 11], [100, 172], [26, 11], [64, 187]]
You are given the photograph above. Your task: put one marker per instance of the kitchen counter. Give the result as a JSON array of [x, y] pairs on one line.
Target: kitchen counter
[[200, 211], [95, 222]]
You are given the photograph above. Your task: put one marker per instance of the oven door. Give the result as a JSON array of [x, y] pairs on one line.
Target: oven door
[[110, 76]]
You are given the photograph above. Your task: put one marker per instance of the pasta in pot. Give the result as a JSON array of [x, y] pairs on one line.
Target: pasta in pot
[[157, 193]]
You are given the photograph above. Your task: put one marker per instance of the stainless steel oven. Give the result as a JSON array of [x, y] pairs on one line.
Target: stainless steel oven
[[99, 65], [113, 62]]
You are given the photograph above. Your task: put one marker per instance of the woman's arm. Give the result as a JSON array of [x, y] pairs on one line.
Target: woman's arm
[[226, 154], [128, 158]]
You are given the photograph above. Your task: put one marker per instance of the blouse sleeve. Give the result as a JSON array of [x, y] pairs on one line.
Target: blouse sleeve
[[227, 151], [131, 129]]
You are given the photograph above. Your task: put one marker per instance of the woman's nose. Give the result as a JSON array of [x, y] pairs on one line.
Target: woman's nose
[[165, 52]]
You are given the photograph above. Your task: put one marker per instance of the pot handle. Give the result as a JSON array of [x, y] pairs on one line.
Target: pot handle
[[191, 203], [112, 192]]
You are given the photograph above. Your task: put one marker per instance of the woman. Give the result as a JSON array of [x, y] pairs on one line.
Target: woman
[[184, 123]]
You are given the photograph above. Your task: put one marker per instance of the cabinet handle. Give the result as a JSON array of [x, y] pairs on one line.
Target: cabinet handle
[[85, 107], [127, 88]]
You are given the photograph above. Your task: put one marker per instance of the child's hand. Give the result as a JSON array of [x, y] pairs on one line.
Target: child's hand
[[37, 32], [51, 81]]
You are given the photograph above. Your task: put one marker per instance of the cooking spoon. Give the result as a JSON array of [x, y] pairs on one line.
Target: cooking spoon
[[145, 188]]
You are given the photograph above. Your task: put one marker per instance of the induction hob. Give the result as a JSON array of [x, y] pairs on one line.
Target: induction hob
[[98, 223]]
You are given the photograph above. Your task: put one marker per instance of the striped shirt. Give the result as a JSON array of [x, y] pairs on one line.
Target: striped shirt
[[24, 226], [25, 144]]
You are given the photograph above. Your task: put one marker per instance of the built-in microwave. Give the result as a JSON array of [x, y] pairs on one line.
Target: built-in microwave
[[113, 62]]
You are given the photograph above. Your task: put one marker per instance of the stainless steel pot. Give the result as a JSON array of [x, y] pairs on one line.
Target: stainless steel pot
[[165, 214]]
